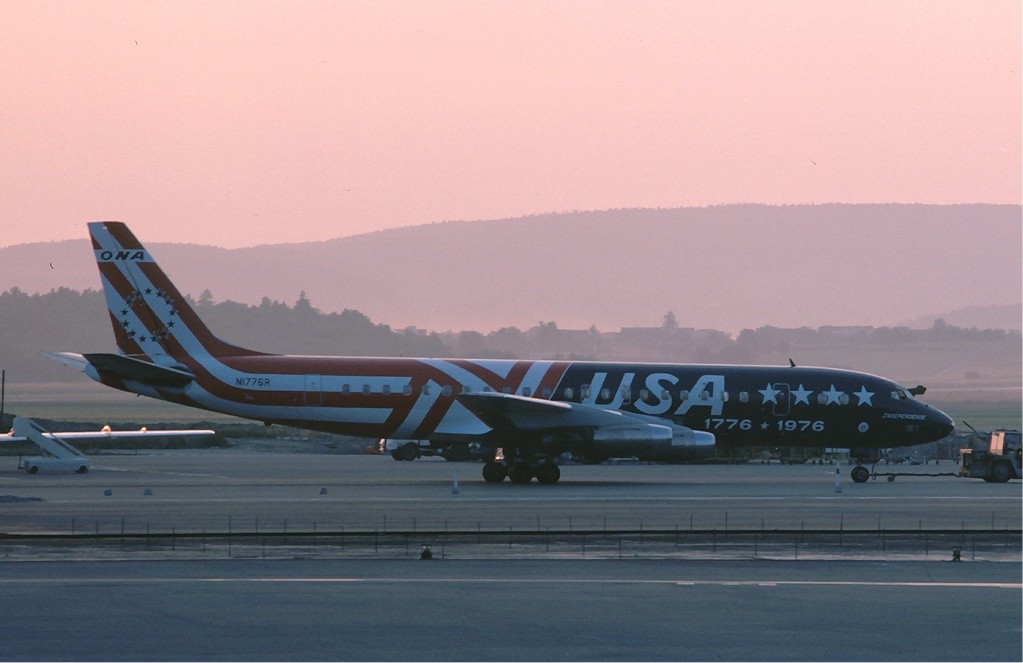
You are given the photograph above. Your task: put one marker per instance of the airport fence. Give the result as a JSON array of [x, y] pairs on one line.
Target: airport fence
[[675, 543]]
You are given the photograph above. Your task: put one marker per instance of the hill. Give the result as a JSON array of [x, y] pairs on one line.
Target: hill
[[728, 267]]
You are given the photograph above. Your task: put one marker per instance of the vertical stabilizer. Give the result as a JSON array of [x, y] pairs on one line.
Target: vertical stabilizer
[[151, 319]]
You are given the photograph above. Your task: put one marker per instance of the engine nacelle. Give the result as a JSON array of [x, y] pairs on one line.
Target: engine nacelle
[[652, 442]]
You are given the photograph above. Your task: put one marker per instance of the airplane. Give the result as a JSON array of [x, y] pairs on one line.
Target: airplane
[[534, 411], [60, 456]]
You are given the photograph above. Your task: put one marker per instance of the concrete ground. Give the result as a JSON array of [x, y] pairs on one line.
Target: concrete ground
[[221, 491], [481, 610], [534, 596]]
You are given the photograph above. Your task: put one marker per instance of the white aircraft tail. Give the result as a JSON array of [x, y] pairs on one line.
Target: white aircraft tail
[[152, 320]]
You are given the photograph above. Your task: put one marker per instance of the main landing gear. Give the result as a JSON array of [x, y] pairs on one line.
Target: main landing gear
[[521, 472]]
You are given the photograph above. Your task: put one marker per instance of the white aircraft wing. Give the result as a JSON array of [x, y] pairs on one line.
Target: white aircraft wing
[[24, 428]]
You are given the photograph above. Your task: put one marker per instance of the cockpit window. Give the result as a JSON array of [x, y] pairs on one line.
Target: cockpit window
[[900, 395]]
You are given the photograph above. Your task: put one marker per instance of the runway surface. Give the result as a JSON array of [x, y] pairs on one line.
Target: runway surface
[[510, 610], [247, 593], [220, 491]]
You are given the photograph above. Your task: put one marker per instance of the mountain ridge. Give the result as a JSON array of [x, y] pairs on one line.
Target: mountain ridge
[[725, 267]]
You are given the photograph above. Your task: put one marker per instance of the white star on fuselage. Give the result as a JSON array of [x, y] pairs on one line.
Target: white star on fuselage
[[864, 396], [802, 395], [770, 394], [833, 395]]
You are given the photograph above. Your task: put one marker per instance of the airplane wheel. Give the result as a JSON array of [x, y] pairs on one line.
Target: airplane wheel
[[520, 473], [82, 470], [860, 474], [494, 472], [548, 474], [33, 469], [1001, 473], [396, 454], [410, 451]]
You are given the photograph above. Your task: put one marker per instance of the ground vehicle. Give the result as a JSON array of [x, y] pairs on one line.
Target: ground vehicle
[[406, 449], [413, 449], [998, 462]]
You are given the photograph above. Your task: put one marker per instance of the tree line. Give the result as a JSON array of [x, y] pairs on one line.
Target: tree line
[[67, 320]]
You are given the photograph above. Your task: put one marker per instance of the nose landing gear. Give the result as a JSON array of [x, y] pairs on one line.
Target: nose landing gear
[[859, 474]]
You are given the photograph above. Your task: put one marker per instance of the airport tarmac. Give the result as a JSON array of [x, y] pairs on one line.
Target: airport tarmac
[[510, 610], [128, 598], [225, 491]]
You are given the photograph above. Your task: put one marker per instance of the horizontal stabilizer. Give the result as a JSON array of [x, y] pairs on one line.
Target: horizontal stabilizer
[[126, 368]]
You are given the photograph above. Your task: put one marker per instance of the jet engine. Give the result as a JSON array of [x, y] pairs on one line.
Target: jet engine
[[656, 442]]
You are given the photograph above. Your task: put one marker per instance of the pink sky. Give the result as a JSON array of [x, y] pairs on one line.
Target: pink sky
[[240, 123]]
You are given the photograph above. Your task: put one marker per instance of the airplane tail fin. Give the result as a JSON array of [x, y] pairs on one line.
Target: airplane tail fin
[[152, 320]]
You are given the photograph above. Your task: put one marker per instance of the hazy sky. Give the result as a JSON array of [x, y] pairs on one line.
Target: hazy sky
[[240, 123]]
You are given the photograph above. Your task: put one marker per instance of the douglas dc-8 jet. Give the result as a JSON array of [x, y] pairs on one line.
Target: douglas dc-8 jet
[[535, 411]]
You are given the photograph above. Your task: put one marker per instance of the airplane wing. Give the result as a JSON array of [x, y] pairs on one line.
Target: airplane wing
[[125, 368], [510, 413], [504, 411], [25, 428]]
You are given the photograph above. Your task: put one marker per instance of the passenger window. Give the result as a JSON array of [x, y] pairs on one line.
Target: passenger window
[[407, 390], [569, 393], [526, 391], [506, 390], [547, 393], [644, 394], [584, 391], [844, 399], [446, 390], [724, 397], [684, 394], [744, 397], [665, 396], [704, 396], [822, 399], [605, 394], [346, 389], [466, 389], [387, 389], [626, 395], [426, 390]]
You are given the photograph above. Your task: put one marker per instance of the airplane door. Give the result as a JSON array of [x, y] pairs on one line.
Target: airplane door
[[783, 403], [313, 390]]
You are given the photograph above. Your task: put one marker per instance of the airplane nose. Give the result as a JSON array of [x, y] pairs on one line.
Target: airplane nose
[[939, 423]]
